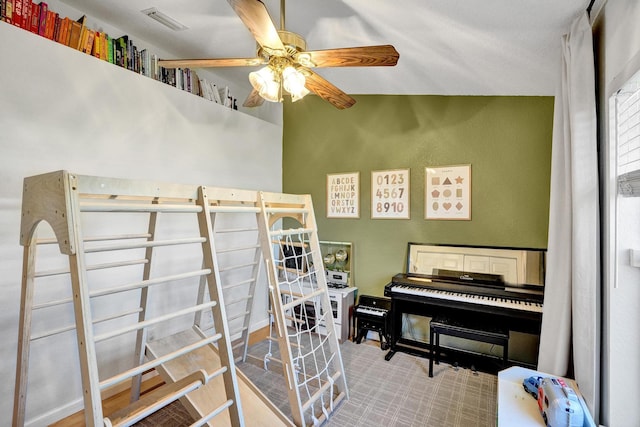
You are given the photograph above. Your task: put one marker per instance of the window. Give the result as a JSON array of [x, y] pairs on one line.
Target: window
[[625, 134]]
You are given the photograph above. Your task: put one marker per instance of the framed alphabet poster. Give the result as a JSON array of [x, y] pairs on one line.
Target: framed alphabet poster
[[343, 195], [448, 192], [390, 194]]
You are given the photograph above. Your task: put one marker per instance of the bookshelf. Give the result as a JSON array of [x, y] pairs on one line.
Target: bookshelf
[[42, 20]]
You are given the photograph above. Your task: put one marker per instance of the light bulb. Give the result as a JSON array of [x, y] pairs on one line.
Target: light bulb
[[265, 82], [293, 82]]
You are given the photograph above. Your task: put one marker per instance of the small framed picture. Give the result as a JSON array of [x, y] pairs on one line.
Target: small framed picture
[[448, 192], [343, 195], [390, 194]]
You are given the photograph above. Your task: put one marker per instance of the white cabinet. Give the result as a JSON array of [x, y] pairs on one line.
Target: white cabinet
[[342, 302]]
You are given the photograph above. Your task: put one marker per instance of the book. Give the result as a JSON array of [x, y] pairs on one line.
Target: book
[[35, 18], [104, 46], [225, 97], [82, 33], [66, 31], [42, 20], [16, 18], [56, 27], [111, 52], [121, 51], [95, 49], [75, 31], [216, 94], [27, 10], [50, 22], [8, 11], [88, 46]]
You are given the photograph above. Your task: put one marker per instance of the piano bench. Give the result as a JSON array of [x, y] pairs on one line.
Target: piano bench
[[366, 324], [443, 326]]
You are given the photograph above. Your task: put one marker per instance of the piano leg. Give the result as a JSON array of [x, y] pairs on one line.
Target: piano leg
[[395, 324]]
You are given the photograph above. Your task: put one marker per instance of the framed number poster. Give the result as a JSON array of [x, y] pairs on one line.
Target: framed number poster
[[390, 194], [343, 195], [448, 192]]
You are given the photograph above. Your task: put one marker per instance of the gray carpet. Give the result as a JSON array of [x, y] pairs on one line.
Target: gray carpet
[[398, 392]]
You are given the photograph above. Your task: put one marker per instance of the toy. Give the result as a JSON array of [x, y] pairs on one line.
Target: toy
[[531, 385], [559, 404]]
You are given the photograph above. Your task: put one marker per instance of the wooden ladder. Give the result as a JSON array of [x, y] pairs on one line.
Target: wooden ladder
[[310, 357], [67, 202], [239, 265]]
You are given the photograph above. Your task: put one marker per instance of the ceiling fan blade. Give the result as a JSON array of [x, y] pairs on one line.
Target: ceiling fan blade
[[365, 56], [255, 17], [206, 63], [253, 100], [325, 90]]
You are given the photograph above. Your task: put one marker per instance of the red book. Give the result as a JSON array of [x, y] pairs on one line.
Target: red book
[[17, 13], [42, 24], [35, 18], [26, 14], [56, 27]]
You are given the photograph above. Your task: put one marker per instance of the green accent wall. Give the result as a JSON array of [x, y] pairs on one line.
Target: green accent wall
[[506, 140]]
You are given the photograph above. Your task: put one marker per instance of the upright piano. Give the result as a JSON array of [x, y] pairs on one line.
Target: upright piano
[[496, 293]]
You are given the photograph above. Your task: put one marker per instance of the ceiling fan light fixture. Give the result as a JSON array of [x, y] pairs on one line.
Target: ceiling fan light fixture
[[266, 83]]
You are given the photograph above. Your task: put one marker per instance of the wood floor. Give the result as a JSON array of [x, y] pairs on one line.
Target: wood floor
[[121, 399], [111, 404]]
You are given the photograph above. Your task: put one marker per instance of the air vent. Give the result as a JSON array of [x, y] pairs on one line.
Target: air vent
[[164, 19]]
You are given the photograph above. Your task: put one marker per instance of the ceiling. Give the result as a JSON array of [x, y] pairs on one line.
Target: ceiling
[[447, 47]]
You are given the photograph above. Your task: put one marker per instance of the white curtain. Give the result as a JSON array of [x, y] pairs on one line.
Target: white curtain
[[570, 321]]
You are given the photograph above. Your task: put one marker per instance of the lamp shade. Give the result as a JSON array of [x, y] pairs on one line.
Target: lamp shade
[[266, 83], [293, 82]]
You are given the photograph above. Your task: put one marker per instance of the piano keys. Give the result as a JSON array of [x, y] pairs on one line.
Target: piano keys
[[491, 299]]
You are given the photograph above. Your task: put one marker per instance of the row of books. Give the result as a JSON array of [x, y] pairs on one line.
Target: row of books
[[120, 51]]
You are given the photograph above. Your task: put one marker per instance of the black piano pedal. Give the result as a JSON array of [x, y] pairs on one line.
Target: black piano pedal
[[456, 366]]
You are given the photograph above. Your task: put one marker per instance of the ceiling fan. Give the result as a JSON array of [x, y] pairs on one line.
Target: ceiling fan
[[288, 62]]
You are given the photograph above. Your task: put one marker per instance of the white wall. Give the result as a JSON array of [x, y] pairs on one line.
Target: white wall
[[618, 36], [61, 109]]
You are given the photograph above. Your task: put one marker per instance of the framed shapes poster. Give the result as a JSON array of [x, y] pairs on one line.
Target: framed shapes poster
[[343, 195], [390, 194], [448, 192]]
